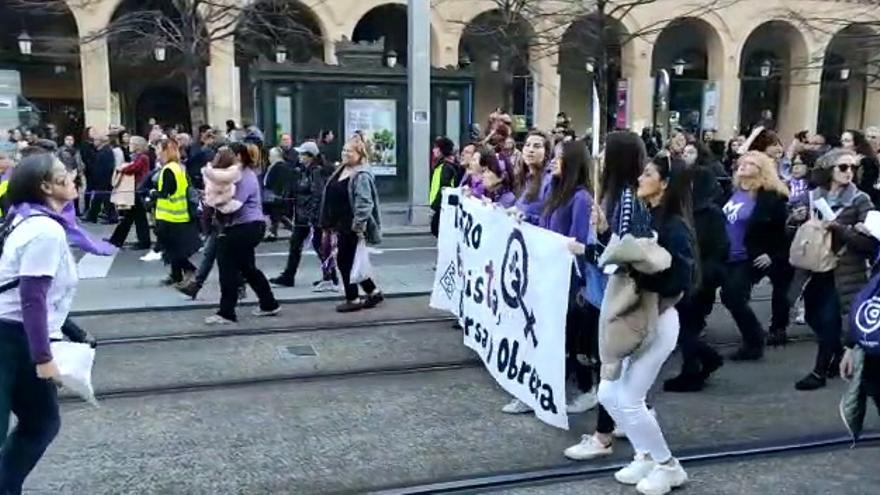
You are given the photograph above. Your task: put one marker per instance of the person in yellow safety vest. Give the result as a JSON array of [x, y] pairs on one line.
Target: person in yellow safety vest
[[447, 173], [175, 228], [6, 165]]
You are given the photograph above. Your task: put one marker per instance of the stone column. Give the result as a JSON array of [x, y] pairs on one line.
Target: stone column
[[224, 99], [799, 109], [547, 84], [95, 69], [637, 71], [728, 104]]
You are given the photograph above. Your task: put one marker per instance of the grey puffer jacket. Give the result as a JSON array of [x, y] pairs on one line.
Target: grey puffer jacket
[[364, 200]]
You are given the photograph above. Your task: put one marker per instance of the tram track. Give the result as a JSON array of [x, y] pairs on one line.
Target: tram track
[[570, 471]]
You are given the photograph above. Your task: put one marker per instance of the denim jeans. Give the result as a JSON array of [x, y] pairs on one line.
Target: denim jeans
[[34, 402], [822, 313]]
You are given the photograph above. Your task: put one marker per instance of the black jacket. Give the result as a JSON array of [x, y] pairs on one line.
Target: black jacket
[[766, 232], [711, 227], [673, 235], [100, 176], [869, 173]]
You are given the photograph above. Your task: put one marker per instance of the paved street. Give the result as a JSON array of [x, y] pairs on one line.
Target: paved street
[[403, 264], [317, 402]]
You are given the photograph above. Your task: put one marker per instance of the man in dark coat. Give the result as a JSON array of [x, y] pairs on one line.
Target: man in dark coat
[[100, 181]]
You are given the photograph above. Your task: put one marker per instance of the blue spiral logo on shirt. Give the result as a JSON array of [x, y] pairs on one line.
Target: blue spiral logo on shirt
[[868, 315]]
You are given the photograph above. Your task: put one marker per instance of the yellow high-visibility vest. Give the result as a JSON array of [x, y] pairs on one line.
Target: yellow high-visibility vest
[[174, 208], [4, 187]]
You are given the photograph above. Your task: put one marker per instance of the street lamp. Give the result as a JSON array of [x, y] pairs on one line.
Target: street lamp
[[25, 43], [678, 66], [464, 61], [60, 69], [766, 68], [391, 59], [280, 54], [495, 63], [844, 73], [590, 65], [159, 51]]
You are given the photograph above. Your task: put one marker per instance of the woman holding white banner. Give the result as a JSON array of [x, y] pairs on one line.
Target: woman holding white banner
[[665, 187], [567, 211]]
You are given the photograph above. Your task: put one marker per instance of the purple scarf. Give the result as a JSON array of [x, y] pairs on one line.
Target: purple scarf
[[76, 236]]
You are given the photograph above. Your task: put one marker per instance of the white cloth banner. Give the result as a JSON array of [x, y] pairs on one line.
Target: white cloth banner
[[508, 284]]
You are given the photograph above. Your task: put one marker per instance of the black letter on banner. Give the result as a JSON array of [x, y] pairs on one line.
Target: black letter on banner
[[503, 355], [512, 369], [515, 281], [547, 402]]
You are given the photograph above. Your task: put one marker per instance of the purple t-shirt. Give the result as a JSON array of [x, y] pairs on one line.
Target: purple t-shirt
[[247, 190], [739, 210]]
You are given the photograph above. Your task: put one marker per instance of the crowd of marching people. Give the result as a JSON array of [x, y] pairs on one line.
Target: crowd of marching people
[[796, 215]]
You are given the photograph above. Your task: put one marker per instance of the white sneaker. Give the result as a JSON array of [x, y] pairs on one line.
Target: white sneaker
[[516, 406], [800, 314], [618, 433], [589, 448], [152, 256], [260, 312], [325, 286], [662, 479], [638, 469], [582, 403], [218, 320]]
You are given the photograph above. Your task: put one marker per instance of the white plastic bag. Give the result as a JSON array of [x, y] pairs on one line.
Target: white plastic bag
[[75, 363], [361, 269]]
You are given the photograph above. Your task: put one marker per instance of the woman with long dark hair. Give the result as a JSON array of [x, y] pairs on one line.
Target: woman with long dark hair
[[37, 258], [496, 181], [566, 210], [665, 188], [242, 231], [868, 170], [535, 156], [625, 158]]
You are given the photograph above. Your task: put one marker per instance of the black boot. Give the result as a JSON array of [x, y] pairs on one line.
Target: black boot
[[711, 362], [812, 381], [685, 382], [190, 289], [778, 337]]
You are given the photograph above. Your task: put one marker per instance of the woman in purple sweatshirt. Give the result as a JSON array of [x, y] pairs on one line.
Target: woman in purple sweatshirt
[[37, 283], [536, 183], [236, 245]]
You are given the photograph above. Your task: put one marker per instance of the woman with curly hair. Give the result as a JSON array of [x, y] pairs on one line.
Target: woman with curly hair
[[757, 209]]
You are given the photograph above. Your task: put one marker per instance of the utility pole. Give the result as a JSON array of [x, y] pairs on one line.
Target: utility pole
[[418, 107]]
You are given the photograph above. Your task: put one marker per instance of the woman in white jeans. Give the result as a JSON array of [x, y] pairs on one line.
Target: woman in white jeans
[[665, 188]]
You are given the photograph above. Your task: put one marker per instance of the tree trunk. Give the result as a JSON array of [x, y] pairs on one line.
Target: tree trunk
[[195, 89]]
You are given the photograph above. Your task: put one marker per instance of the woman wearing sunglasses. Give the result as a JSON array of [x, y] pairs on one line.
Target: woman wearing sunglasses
[[834, 178]]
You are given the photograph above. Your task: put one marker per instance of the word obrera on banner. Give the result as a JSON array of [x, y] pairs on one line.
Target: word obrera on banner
[[507, 282]]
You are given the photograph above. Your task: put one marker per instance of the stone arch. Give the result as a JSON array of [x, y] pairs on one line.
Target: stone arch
[[50, 77], [849, 64], [577, 48], [281, 22], [488, 35], [359, 10], [783, 47]]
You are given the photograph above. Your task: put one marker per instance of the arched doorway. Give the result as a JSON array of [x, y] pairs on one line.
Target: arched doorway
[[40, 77], [772, 61], [153, 44], [687, 63], [285, 31], [582, 63], [386, 22], [163, 103], [496, 46], [845, 72]]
